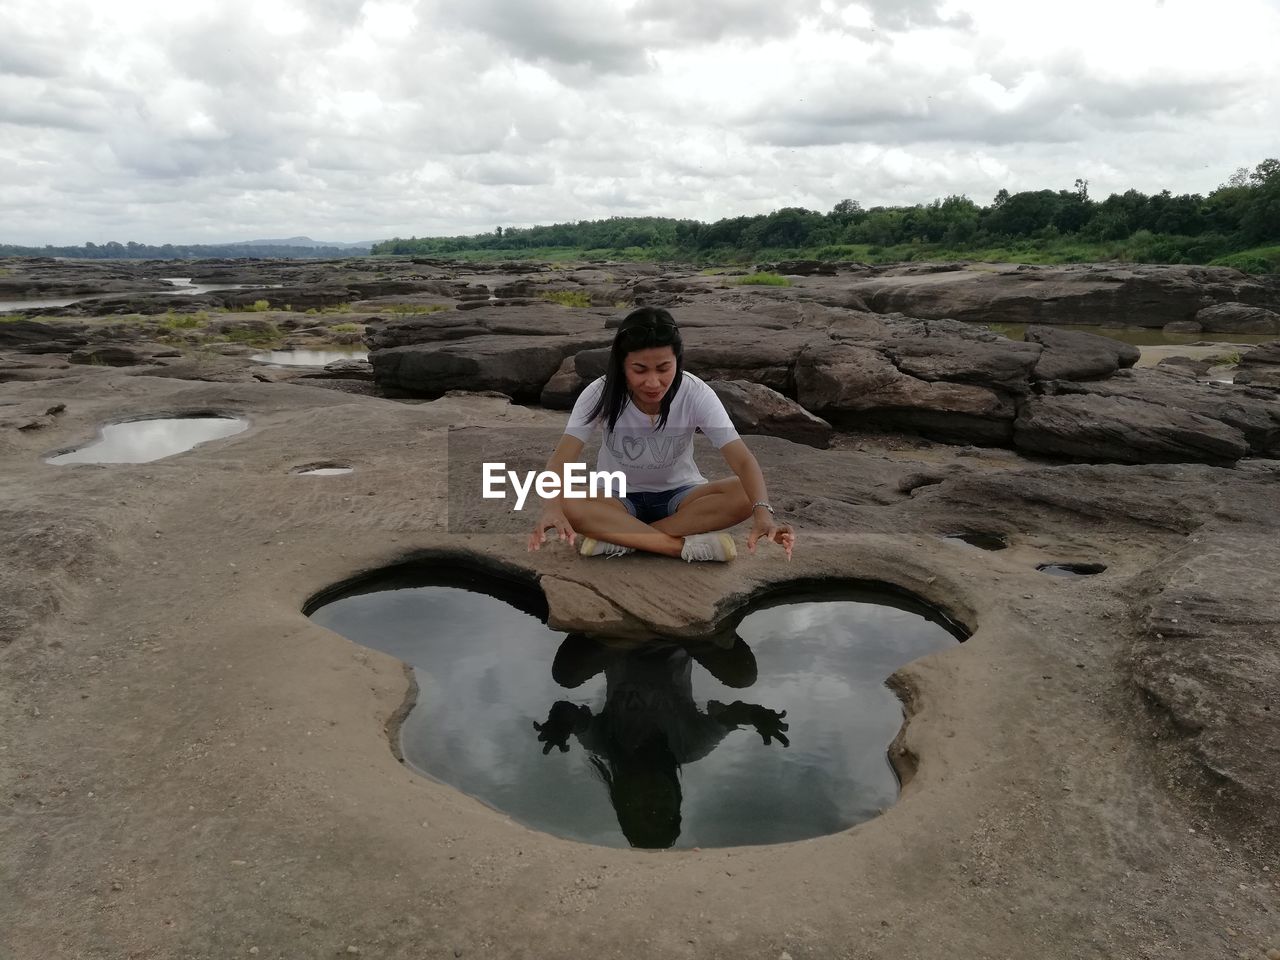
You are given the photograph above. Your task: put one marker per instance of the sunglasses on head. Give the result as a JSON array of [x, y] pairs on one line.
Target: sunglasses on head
[[650, 328]]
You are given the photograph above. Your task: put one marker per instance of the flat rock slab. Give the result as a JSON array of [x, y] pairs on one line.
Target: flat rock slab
[[1119, 429]]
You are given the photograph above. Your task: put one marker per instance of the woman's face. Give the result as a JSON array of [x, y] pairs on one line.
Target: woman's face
[[649, 373]]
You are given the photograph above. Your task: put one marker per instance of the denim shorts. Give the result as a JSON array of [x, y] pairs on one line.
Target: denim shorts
[[650, 507]]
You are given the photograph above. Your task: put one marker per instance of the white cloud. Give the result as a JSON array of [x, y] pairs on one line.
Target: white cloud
[[223, 119]]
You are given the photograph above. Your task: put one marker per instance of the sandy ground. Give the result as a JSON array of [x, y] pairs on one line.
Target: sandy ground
[[192, 769]]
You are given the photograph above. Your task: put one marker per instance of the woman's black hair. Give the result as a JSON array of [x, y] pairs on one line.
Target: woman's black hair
[[640, 329]]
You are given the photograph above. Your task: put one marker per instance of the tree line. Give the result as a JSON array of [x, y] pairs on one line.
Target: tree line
[[1241, 214]]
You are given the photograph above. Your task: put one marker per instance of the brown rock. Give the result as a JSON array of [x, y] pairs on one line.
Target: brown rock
[[1074, 355], [1122, 430], [1260, 366], [517, 366], [755, 409], [1255, 414], [1238, 318], [860, 385], [562, 389]]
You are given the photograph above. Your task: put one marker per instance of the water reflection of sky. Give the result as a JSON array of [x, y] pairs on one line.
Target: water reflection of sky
[[308, 358], [484, 673], [141, 441]]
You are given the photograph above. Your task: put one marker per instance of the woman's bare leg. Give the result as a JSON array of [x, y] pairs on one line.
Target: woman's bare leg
[[712, 506], [605, 518]]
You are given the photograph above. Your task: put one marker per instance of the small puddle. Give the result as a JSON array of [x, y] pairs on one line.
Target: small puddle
[[141, 441], [308, 358], [983, 541], [1071, 569], [322, 470], [775, 730]]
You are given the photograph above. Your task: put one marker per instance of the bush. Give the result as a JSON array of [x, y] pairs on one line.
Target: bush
[[567, 298], [764, 280], [173, 321], [345, 328], [260, 306]]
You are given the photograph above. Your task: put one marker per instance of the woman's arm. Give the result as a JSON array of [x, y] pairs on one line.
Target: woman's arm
[[568, 450], [743, 463]]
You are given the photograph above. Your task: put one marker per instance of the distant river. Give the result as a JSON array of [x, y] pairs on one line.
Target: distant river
[[181, 285], [1138, 336]]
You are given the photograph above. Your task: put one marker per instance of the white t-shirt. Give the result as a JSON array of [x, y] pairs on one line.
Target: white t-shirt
[[655, 459]]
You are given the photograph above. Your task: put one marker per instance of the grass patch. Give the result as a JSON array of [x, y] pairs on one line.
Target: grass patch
[[417, 307], [13, 318], [345, 328], [259, 306], [764, 279], [567, 298], [1257, 260], [187, 321]]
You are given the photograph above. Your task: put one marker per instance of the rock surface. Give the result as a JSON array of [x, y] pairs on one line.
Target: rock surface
[[1073, 355], [1120, 429], [1022, 741], [755, 409], [1238, 318], [1260, 366]]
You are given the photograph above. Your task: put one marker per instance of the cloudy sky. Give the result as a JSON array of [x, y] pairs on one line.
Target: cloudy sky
[[217, 120]]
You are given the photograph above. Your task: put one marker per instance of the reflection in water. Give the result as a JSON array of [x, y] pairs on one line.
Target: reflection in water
[[649, 743], [650, 725], [308, 358], [141, 441], [983, 541]]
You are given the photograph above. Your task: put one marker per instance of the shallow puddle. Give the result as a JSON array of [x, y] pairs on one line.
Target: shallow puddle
[[1071, 569], [308, 358], [141, 441], [775, 730], [983, 541], [329, 470]]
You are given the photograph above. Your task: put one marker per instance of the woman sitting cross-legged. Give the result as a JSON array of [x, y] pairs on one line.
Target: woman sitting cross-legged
[[649, 409]]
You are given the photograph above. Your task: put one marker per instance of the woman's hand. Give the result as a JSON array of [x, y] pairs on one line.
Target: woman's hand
[[764, 527], [551, 517]]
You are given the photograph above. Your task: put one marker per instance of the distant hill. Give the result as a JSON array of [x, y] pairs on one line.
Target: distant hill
[[305, 242], [295, 248]]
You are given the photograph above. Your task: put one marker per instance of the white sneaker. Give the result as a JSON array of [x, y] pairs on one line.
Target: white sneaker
[[591, 547], [708, 546]]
